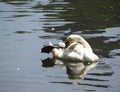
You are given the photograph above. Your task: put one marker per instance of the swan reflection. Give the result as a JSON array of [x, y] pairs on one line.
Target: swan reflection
[[74, 70]]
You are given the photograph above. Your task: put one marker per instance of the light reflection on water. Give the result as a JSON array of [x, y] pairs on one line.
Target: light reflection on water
[[74, 70], [26, 25]]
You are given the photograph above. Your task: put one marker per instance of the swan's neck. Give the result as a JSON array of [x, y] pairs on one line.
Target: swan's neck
[[72, 45]]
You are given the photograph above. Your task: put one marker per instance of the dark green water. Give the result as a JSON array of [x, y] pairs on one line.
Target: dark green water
[[27, 25]]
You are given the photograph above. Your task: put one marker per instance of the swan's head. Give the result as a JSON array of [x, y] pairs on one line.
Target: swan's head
[[74, 38]]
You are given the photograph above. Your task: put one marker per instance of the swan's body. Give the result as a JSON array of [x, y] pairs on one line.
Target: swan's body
[[76, 49]]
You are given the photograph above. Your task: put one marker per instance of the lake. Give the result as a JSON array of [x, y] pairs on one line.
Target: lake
[[27, 25]]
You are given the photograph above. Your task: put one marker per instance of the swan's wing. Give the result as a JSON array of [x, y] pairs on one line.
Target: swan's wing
[[77, 48], [75, 53]]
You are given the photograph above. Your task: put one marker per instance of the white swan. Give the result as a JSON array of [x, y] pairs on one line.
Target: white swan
[[76, 49]]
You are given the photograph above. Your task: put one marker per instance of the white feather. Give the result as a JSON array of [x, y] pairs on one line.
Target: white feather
[[50, 43], [77, 50]]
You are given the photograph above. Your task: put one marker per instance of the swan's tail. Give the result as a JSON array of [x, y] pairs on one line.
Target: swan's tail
[[50, 47], [47, 49]]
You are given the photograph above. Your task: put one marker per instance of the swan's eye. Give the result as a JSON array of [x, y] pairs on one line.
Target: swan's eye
[[66, 44]]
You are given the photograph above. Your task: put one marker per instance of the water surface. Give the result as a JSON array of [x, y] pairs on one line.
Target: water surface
[[27, 25]]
